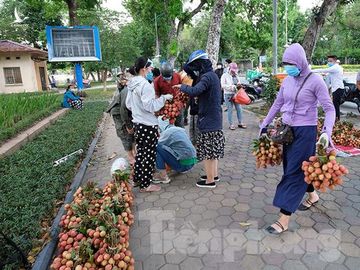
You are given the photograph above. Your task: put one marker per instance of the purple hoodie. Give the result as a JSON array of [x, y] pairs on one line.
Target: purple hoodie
[[313, 91]]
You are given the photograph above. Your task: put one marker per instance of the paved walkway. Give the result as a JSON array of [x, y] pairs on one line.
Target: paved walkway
[[188, 228]]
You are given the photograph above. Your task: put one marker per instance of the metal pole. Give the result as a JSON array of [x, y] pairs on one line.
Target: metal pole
[[286, 22], [275, 55], [157, 38], [78, 76]]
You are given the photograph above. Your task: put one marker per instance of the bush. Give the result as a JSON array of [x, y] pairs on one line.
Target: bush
[[271, 90], [19, 111], [30, 186]]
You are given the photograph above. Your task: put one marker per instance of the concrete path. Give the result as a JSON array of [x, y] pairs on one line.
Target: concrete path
[[188, 228]]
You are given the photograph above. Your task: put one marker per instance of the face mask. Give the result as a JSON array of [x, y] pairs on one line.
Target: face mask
[[292, 70], [149, 76], [197, 73], [330, 64]]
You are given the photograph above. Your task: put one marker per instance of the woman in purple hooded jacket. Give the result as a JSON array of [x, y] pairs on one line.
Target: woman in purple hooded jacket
[[302, 117]]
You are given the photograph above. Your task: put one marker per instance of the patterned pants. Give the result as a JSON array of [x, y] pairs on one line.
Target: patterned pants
[[146, 139]]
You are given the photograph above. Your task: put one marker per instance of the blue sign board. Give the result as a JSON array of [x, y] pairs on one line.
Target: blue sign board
[[73, 44]]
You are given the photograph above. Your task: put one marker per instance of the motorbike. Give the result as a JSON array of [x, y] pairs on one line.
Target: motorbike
[[251, 91], [351, 94]]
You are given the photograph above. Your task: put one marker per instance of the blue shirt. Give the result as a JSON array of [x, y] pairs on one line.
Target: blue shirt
[[69, 95]]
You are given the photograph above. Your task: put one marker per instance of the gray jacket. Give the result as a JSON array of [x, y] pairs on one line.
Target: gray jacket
[[118, 107], [142, 103]]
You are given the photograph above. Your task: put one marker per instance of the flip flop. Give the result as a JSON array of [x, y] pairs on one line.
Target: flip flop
[[272, 230], [303, 207], [242, 126]]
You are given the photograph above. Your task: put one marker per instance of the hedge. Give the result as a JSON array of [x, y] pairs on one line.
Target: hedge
[[30, 186]]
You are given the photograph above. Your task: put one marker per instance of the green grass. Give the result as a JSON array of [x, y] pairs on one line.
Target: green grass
[[29, 184], [99, 94], [19, 111]]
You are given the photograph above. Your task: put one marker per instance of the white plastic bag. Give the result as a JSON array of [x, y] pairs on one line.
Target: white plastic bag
[[119, 164]]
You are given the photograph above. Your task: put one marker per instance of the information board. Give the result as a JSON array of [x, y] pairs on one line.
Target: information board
[[73, 44]]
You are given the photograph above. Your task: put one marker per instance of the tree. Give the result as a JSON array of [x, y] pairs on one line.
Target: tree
[[312, 34], [166, 13], [32, 30], [213, 43]]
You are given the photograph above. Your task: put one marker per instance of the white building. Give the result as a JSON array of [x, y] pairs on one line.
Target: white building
[[22, 68]]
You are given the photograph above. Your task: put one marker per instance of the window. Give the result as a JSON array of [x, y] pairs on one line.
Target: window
[[8, 58], [12, 75], [18, 57]]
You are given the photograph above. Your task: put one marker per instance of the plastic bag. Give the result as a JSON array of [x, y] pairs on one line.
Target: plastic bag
[[241, 97], [119, 164]]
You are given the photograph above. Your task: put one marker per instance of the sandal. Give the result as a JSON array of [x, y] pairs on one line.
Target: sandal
[[151, 188], [158, 179], [232, 127], [242, 126], [273, 231], [303, 207]]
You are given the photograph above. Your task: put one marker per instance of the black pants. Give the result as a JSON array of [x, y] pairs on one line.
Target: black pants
[[337, 100], [287, 213], [146, 139]]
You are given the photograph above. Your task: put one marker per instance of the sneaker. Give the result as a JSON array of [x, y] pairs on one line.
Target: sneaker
[[203, 184], [216, 178], [160, 180]]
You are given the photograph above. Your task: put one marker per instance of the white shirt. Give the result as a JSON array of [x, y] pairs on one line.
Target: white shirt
[[227, 83], [335, 76]]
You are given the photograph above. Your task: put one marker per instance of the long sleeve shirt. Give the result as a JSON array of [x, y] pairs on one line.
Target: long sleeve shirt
[[335, 76], [227, 83], [142, 103], [303, 112]]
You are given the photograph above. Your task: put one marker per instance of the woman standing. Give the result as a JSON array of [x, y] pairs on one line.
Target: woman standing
[[210, 140], [301, 114], [142, 103], [123, 119], [229, 82]]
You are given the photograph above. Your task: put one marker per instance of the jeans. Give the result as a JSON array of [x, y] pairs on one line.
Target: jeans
[[164, 156], [229, 105], [337, 100]]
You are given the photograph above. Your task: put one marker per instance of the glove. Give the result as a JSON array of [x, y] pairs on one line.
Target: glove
[[323, 140], [263, 132], [168, 97]]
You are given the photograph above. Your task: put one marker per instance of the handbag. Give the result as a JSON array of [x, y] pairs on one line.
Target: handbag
[[283, 133], [241, 97]]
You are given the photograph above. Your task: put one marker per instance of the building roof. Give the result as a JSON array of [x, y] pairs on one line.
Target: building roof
[[8, 46]]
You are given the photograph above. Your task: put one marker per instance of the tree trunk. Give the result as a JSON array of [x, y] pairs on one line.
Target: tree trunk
[[213, 42], [72, 6], [98, 76], [92, 76], [312, 34], [104, 78]]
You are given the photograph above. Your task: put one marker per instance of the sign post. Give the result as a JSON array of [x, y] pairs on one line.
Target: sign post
[[78, 76]]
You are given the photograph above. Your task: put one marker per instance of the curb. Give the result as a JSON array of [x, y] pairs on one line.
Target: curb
[[24, 137], [44, 257]]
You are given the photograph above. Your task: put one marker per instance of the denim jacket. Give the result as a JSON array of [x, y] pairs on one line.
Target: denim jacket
[[176, 142]]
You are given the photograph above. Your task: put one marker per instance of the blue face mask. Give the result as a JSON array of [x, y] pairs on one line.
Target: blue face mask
[[330, 64], [292, 70], [149, 76]]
